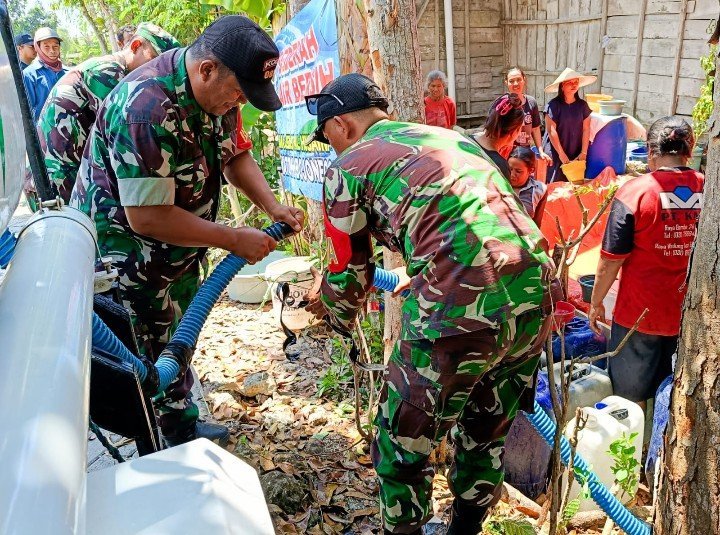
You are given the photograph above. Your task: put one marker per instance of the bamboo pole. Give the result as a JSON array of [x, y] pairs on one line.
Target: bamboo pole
[[603, 31], [638, 53], [678, 56], [437, 35], [468, 84]]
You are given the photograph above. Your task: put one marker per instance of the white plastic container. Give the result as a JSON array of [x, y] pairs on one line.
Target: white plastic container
[[250, 285], [588, 385], [607, 421], [296, 272]]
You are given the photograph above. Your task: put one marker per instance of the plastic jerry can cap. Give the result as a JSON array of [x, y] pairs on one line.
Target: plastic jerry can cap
[[600, 405]]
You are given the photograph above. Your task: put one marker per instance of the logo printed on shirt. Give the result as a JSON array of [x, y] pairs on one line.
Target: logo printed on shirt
[[681, 198]]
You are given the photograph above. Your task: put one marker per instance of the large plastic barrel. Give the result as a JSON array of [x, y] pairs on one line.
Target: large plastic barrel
[[608, 148], [527, 455]]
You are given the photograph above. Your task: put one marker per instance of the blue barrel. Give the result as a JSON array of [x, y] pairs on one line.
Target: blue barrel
[[580, 341], [661, 415], [527, 455], [608, 149]]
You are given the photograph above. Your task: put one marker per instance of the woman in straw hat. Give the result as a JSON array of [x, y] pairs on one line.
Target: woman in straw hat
[[567, 121]]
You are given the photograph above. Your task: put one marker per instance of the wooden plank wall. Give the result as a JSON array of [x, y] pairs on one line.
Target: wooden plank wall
[[477, 88], [544, 36], [659, 48]]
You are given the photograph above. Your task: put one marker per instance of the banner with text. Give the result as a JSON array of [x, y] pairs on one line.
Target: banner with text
[[308, 61]]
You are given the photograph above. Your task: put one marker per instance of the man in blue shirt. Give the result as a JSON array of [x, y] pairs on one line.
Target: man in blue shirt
[[44, 72], [25, 49]]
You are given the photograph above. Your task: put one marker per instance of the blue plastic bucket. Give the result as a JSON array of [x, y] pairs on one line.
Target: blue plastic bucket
[[608, 149]]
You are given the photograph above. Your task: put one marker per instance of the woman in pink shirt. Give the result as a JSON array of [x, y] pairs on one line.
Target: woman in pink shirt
[[440, 110]]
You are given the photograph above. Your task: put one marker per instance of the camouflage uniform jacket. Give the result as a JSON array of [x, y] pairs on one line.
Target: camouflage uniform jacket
[[473, 253], [153, 145], [70, 112]]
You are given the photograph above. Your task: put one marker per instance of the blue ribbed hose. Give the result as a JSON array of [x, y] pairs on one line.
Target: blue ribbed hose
[[103, 338], [602, 496], [192, 322], [197, 313], [385, 280]]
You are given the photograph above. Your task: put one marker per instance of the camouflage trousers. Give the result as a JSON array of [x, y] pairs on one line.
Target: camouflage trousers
[[155, 318], [471, 385]]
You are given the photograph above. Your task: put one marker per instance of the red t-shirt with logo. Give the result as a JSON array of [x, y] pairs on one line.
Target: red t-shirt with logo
[[652, 226], [440, 112]]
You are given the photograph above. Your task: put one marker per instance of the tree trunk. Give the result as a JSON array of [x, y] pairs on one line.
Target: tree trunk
[[395, 57], [688, 499], [96, 30]]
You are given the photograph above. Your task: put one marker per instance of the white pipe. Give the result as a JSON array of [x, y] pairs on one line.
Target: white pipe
[[450, 48], [45, 340]]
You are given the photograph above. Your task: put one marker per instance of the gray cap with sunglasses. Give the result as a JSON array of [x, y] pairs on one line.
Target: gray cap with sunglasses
[[348, 93]]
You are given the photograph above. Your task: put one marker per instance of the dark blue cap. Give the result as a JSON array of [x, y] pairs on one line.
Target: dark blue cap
[[245, 48], [23, 39]]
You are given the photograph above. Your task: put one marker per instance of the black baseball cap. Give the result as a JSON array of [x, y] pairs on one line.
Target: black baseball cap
[[244, 48], [347, 93], [23, 39]]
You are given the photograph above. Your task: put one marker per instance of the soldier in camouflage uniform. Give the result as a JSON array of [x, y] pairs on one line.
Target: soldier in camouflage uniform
[[151, 174], [71, 107], [480, 294]]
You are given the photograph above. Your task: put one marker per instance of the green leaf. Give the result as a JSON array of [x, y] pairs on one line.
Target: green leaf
[[517, 527], [250, 116], [571, 510], [621, 475]]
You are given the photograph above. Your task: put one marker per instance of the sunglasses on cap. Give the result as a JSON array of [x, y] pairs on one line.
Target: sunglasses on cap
[[312, 101]]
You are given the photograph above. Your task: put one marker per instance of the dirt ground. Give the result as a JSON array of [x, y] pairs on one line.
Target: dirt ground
[[314, 466]]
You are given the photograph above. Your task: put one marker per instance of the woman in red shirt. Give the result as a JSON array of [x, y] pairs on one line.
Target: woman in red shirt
[[650, 232], [440, 110]]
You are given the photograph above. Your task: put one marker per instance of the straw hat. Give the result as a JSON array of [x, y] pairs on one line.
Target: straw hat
[[569, 74]]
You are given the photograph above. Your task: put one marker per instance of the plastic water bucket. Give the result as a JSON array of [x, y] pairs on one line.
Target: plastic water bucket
[[639, 154], [611, 107], [250, 286], [608, 149], [295, 271], [527, 455], [593, 100], [575, 171], [563, 313], [587, 283]]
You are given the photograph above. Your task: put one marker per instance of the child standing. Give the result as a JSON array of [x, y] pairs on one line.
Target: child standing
[[532, 192]]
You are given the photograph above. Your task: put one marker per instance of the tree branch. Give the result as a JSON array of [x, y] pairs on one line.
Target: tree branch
[[615, 352]]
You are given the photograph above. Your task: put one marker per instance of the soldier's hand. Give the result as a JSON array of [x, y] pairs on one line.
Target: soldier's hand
[[251, 244], [404, 282], [290, 215]]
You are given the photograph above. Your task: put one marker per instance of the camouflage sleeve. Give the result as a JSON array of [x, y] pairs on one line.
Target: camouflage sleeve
[[143, 153], [62, 133], [350, 273]]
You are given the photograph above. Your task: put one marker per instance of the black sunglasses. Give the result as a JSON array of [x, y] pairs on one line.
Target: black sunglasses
[[312, 101]]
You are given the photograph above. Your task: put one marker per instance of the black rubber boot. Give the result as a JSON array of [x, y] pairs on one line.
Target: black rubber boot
[[466, 519], [214, 432]]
